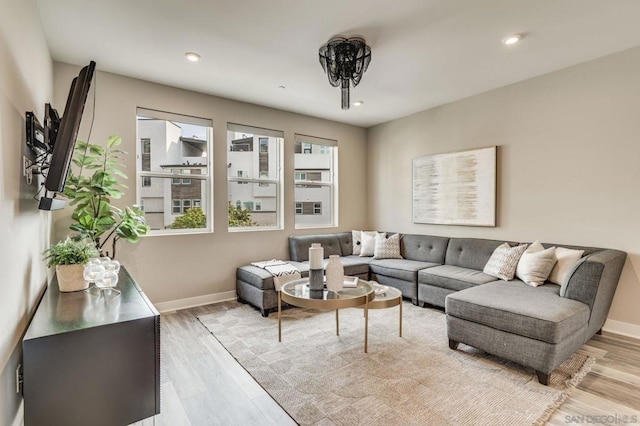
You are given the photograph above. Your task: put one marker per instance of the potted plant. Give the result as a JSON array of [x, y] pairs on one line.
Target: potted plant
[[94, 216], [69, 257]]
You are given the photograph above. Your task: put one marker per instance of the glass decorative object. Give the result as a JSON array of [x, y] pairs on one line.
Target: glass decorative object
[[108, 280], [92, 271]]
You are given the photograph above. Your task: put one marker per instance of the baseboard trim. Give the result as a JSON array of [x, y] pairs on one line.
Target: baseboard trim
[[622, 328], [192, 302]]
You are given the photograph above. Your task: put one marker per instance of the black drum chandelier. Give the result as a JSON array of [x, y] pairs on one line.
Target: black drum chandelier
[[345, 60]]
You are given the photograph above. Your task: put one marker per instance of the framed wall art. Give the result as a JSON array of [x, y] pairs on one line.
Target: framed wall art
[[457, 188]]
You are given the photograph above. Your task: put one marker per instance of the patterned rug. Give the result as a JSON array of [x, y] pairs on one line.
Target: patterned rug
[[323, 379]]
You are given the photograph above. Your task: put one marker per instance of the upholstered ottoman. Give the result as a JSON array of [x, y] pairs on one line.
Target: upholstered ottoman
[[255, 286], [533, 326]]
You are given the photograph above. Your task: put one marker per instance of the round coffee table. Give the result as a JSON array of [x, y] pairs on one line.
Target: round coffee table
[[297, 293], [390, 298]]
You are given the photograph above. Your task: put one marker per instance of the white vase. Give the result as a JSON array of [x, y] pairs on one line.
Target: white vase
[[334, 273], [71, 278]]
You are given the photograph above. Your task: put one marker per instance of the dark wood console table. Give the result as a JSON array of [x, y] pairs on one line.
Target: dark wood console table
[[92, 359]]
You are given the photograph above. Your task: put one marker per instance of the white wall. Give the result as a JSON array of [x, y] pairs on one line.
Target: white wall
[[25, 85], [568, 162], [190, 266]]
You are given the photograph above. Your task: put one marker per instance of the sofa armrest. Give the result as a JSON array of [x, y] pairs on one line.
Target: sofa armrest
[[593, 282]]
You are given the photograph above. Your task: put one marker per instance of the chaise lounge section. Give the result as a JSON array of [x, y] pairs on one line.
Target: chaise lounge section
[[539, 327]]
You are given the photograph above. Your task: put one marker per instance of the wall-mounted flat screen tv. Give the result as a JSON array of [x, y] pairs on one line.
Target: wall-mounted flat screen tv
[[61, 133]]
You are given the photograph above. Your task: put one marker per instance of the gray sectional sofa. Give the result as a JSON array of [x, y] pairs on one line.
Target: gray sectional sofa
[[538, 327]]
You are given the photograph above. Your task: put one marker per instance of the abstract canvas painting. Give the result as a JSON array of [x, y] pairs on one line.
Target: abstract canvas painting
[[457, 188]]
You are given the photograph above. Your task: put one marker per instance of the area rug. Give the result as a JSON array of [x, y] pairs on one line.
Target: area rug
[[323, 379]]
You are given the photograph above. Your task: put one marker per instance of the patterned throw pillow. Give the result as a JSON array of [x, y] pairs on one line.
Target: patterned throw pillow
[[387, 248], [368, 245], [504, 260], [356, 237]]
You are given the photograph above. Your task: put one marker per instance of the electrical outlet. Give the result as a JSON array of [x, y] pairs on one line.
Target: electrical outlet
[[27, 171], [19, 378]]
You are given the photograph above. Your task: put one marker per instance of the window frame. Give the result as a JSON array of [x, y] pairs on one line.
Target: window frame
[[260, 133], [179, 178], [327, 147]]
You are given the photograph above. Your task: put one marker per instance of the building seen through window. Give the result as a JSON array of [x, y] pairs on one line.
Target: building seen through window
[[174, 171]]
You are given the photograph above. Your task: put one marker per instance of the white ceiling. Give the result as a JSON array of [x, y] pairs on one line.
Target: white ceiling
[[425, 53]]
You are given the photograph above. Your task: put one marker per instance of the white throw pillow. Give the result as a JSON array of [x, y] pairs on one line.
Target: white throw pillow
[[566, 259], [356, 237], [368, 246], [536, 264], [387, 248], [504, 260]]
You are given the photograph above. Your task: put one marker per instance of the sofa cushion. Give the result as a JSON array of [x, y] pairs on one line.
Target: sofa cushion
[[257, 277], [536, 264], [356, 240], [514, 307], [353, 265], [567, 258], [387, 247], [424, 248], [453, 277], [331, 243], [368, 243], [403, 269], [504, 260], [471, 253]]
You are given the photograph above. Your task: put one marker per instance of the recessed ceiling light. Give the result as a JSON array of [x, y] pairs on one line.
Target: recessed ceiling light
[[512, 39], [358, 103], [192, 56]]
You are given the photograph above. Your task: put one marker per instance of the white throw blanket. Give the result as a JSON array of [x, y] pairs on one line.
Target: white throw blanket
[[282, 271]]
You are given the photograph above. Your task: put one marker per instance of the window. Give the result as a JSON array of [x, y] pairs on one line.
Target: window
[[176, 181], [254, 177], [145, 146], [316, 192], [176, 207], [179, 175], [186, 181], [309, 208]]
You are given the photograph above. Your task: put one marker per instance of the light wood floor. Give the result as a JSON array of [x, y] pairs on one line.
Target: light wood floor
[[202, 385]]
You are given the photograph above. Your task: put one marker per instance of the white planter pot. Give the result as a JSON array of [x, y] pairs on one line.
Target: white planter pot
[[70, 278]]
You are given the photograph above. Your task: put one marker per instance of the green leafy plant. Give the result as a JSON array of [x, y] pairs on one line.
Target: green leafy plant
[[93, 215], [70, 252], [192, 218], [239, 216]]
